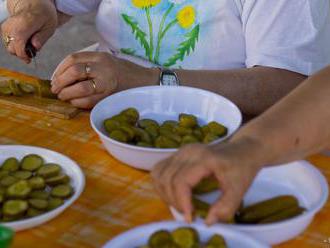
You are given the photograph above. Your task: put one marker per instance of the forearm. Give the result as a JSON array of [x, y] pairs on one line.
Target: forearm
[[253, 90], [294, 128]]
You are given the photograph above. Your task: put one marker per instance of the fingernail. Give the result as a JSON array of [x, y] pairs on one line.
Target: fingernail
[[188, 218]]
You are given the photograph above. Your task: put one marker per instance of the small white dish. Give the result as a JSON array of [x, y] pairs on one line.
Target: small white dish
[[300, 179], [161, 103], [68, 166], [139, 236]]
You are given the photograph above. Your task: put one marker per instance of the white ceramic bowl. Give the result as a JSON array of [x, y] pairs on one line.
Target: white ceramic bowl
[[161, 103], [68, 166], [139, 236], [300, 179]]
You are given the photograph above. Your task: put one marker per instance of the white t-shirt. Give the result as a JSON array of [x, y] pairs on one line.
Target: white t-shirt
[[213, 34]]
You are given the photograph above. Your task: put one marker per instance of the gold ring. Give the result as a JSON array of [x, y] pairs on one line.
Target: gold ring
[[93, 85], [88, 69], [7, 39]]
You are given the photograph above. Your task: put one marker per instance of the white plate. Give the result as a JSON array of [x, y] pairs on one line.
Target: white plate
[[68, 166], [139, 236], [161, 103], [300, 179]]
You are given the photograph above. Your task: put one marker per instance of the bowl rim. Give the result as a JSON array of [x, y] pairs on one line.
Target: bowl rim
[[307, 214], [40, 219], [160, 150], [170, 224]]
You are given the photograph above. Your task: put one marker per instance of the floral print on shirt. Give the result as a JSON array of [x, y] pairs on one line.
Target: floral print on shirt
[[166, 31]]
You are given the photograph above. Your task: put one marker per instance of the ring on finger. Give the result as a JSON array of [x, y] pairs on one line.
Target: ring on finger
[[94, 85], [88, 70], [7, 39]]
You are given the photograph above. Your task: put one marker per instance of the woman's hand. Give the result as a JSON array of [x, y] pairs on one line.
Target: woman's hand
[[34, 20], [85, 78], [174, 178]]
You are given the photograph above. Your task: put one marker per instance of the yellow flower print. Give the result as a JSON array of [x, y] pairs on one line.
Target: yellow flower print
[[186, 16], [145, 3]]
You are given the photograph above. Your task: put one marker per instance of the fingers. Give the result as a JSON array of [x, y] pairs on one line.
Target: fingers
[[74, 59], [39, 39], [87, 102], [224, 209], [73, 74], [80, 90]]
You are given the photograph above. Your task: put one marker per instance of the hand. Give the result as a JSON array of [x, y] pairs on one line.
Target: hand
[[175, 177], [31, 19], [108, 74]]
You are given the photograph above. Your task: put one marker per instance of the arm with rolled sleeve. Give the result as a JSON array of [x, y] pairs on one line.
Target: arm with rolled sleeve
[[77, 7], [287, 34]]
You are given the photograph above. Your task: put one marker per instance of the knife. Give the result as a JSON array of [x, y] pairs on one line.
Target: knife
[[31, 52]]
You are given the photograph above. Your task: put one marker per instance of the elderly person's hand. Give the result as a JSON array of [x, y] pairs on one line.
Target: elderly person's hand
[[85, 78], [175, 177], [34, 20]]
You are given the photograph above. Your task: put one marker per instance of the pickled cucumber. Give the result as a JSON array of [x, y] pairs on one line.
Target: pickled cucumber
[[169, 125], [187, 121], [201, 208], [49, 170], [21, 190], [182, 131], [283, 215], [37, 182], [186, 237], [189, 139], [10, 165], [206, 185], [32, 212], [54, 203], [132, 115], [39, 194], [209, 138], [39, 204], [32, 162], [62, 191], [216, 241], [165, 142], [217, 129], [22, 174], [261, 210], [6, 181], [119, 135], [160, 239], [145, 123], [60, 179], [111, 125], [142, 136], [14, 208]]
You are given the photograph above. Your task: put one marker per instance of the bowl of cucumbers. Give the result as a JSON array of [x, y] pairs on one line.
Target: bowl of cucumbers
[[36, 185], [143, 126], [280, 204], [180, 235]]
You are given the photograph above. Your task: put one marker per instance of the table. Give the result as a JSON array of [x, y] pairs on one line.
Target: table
[[116, 197]]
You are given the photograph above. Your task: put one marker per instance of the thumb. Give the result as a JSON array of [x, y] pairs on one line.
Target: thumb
[[39, 39]]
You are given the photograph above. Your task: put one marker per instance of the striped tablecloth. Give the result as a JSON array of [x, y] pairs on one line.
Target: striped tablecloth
[[116, 197]]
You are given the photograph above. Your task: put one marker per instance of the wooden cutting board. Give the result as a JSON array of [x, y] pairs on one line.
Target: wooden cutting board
[[51, 107]]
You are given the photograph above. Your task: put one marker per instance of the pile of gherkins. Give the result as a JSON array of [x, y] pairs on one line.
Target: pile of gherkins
[[272, 210], [183, 237], [31, 187], [40, 88], [126, 127]]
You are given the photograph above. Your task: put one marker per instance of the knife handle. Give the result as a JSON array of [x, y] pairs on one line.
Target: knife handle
[[30, 50]]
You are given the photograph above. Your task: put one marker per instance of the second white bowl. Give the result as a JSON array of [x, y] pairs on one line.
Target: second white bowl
[[299, 179], [161, 103]]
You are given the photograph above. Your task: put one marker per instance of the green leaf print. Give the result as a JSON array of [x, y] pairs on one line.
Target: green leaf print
[[137, 31], [185, 48], [128, 51]]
